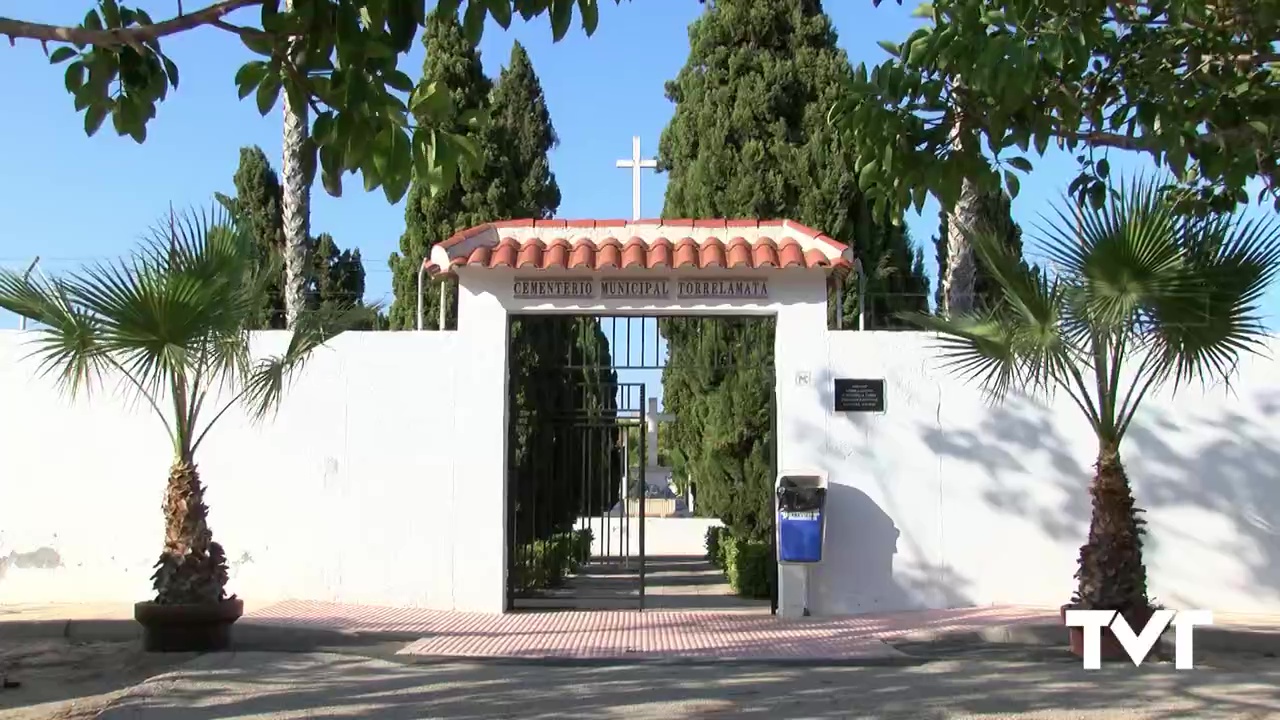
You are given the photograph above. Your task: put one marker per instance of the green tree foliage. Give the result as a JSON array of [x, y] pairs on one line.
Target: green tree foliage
[[1143, 297], [335, 279], [257, 201], [430, 216], [340, 57], [750, 138], [566, 454], [1191, 85], [996, 213], [896, 281], [337, 276]]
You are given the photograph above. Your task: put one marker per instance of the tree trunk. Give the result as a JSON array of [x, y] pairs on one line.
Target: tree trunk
[[958, 281], [962, 223], [192, 568], [295, 207], [1111, 574]]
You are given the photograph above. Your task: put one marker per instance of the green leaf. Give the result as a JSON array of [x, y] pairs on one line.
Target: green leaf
[[561, 16], [324, 130], [399, 81], [1011, 180], [170, 69], [1260, 126], [61, 54], [1103, 168], [1042, 142], [868, 174], [1020, 163], [590, 10], [93, 117], [395, 182], [432, 102], [249, 76], [501, 12], [473, 22], [268, 92], [74, 77], [889, 47]]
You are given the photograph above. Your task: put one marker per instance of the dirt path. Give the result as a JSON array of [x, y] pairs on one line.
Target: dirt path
[[66, 680]]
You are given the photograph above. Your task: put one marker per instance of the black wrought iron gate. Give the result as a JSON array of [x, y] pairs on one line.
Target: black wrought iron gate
[[576, 498], [576, 485]]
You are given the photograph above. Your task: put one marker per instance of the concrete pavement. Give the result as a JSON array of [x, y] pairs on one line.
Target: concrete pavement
[[238, 686]]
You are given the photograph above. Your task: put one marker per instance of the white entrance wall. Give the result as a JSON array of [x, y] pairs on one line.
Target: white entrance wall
[[674, 537], [381, 480]]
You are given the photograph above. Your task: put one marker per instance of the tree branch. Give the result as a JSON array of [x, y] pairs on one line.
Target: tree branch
[[115, 37]]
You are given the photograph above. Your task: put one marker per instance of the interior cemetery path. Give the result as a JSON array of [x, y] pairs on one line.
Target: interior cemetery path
[[671, 583]]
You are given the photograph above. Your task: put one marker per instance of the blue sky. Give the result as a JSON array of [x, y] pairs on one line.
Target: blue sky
[[70, 198]]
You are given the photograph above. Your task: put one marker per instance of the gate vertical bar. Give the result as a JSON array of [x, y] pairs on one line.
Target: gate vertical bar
[[644, 485], [773, 475]]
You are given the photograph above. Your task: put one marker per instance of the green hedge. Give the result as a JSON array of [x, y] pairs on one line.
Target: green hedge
[[553, 559], [747, 564], [716, 535]]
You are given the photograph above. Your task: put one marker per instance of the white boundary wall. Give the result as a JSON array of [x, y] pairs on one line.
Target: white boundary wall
[[674, 537], [381, 479]]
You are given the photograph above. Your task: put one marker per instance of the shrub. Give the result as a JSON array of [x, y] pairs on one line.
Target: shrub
[[553, 559], [747, 565], [715, 543], [583, 538]]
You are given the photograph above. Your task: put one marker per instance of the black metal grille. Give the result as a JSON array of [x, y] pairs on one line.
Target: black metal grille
[[577, 451]]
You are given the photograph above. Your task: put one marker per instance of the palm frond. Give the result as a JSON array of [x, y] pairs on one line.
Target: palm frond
[[1200, 327], [68, 345], [979, 348], [1117, 257]]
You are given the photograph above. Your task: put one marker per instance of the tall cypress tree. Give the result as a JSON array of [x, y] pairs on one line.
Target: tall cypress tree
[[454, 61], [337, 275], [333, 278], [750, 138], [257, 202]]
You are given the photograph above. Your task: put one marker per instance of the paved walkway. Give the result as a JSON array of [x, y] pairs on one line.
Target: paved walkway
[[670, 583], [641, 635], [240, 686]]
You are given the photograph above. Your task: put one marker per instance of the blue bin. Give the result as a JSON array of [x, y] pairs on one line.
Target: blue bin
[[800, 537]]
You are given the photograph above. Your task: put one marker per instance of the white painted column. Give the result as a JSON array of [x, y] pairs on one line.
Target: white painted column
[[800, 354], [480, 472]]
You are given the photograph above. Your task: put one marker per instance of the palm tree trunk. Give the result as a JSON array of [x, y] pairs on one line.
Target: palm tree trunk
[[295, 206], [192, 568], [958, 280], [962, 222], [1111, 574]]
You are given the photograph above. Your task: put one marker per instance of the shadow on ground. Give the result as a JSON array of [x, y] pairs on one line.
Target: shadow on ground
[[264, 684], [671, 583]]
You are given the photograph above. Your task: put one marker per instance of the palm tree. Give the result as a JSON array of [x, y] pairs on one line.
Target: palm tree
[[1143, 297], [295, 208], [171, 323]]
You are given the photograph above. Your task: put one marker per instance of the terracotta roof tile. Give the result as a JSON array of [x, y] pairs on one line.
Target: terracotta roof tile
[[682, 244]]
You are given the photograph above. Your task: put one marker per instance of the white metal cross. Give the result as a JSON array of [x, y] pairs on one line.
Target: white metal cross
[[636, 164], [652, 418]]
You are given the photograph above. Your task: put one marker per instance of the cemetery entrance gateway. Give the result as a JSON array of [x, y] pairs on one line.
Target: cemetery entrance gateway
[[512, 270], [579, 451]]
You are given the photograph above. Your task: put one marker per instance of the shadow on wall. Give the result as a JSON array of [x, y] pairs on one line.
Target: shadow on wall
[[1001, 445], [861, 570], [1235, 476]]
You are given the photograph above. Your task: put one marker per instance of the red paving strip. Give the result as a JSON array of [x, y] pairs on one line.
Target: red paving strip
[[622, 634]]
